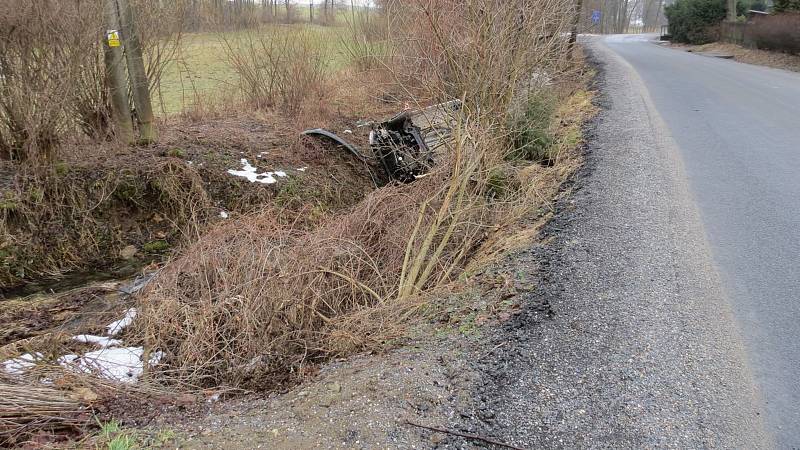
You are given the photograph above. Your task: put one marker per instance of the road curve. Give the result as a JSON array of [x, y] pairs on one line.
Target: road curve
[[737, 128]]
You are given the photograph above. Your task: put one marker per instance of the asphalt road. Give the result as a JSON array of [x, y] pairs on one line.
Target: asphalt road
[[666, 311], [737, 128]]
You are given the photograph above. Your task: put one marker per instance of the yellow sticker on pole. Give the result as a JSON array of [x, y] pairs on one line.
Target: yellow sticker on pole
[[112, 36]]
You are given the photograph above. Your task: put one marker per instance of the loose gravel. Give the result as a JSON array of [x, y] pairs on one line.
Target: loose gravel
[[628, 341]]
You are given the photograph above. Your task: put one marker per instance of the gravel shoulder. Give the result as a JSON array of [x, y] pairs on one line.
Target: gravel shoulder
[[641, 349]]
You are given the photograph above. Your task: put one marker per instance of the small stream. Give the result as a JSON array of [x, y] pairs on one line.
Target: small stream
[[73, 280]]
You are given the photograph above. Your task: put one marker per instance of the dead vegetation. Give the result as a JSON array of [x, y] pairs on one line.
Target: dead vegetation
[[75, 216], [260, 300], [279, 71], [746, 55], [27, 409], [257, 303], [71, 198]]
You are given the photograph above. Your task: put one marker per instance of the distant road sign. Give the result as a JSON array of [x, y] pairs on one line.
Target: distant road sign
[[596, 16]]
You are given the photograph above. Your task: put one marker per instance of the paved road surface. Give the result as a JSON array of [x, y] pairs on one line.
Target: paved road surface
[[738, 130], [674, 270]]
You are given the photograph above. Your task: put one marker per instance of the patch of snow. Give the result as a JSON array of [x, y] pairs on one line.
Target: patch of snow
[[115, 327], [118, 364], [252, 175], [112, 361], [302, 169], [98, 340], [66, 360], [18, 366], [223, 214], [348, 131], [122, 364]]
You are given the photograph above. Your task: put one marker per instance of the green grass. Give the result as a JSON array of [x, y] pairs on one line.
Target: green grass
[[202, 73], [201, 69], [112, 437], [533, 138], [156, 247]]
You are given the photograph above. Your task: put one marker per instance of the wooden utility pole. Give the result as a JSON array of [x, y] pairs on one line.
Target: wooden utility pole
[[115, 74], [138, 75]]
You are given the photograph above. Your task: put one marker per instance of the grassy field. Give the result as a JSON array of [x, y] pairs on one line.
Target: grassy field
[[202, 73]]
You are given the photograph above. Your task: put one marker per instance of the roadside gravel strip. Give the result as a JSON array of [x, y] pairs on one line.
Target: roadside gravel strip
[[639, 347]]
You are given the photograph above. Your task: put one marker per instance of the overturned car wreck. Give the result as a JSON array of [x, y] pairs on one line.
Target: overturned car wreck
[[409, 144]]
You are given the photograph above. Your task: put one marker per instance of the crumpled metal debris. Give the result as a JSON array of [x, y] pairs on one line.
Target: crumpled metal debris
[[409, 144]]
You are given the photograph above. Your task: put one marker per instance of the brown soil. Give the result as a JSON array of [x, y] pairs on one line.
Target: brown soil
[[748, 55], [100, 199], [270, 143], [361, 402]]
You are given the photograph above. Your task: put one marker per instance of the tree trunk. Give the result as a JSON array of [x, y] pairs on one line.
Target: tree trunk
[[138, 74], [732, 10], [115, 74]]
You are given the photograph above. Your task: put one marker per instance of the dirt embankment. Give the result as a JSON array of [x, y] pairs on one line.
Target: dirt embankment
[[746, 55], [398, 397], [105, 211]]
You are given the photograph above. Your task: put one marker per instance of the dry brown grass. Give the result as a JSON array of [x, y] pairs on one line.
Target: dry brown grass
[[254, 303], [260, 301], [57, 220], [25, 410], [753, 56]]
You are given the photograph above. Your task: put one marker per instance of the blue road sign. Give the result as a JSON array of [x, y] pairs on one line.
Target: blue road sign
[[596, 15]]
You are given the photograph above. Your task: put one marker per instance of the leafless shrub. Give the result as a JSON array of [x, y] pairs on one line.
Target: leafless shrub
[[254, 301], [52, 75], [282, 68], [486, 49], [161, 26], [367, 39], [42, 61]]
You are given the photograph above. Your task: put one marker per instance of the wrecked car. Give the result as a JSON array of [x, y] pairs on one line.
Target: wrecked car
[[407, 145]]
